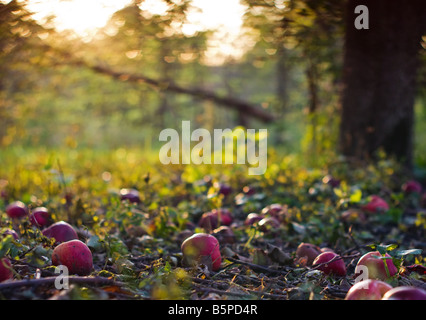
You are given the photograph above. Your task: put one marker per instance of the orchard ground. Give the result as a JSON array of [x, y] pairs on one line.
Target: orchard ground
[[136, 247]]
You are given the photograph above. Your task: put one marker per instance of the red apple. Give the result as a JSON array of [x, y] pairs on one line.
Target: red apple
[[224, 234], [61, 231], [307, 252], [252, 218], [412, 186], [75, 255], [201, 246], [273, 210], [369, 289], [336, 267], [11, 232], [268, 223], [5, 269], [405, 293], [333, 182], [17, 210], [40, 217], [376, 265], [224, 189], [209, 220], [132, 195], [375, 205]]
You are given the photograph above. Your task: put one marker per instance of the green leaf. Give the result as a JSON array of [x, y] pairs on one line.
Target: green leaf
[[356, 196]]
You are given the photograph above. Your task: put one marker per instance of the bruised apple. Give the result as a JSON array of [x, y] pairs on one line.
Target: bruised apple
[[17, 210], [376, 265], [307, 252], [336, 267], [5, 269], [405, 293], [369, 289], [202, 247], [40, 217], [61, 231], [75, 255]]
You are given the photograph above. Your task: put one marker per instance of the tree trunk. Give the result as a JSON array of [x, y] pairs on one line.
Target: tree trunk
[[379, 77]]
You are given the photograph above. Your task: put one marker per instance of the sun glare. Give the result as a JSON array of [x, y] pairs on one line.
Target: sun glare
[[85, 17]]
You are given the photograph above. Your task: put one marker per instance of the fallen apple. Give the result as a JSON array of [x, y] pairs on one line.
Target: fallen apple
[[132, 195], [202, 247], [61, 231], [224, 234], [307, 252], [210, 220], [405, 293], [375, 264], [253, 218], [75, 255], [11, 232], [336, 267], [412, 186], [5, 269], [40, 217], [370, 289], [17, 210], [268, 223], [375, 205]]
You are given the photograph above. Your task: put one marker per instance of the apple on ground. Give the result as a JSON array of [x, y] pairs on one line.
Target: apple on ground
[[224, 234], [370, 289], [202, 247], [210, 220], [17, 210], [61, 231], [40, 217], [336, 267], [268, 223], [375, 264], [75, 255], [375, 205], [5, 269], [405, 293], [307, 253], [11, 232], [412, 186], [253, 218], [132, 195]]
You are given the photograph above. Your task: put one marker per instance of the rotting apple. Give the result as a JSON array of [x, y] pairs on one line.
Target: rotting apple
[[75, 255], [307, 252], [61, 231], [405, 293], [40, 217], [370, 289], [17, 210], [5, 269], [375, 205], [202, 247], [336, 267], [375, 264]]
